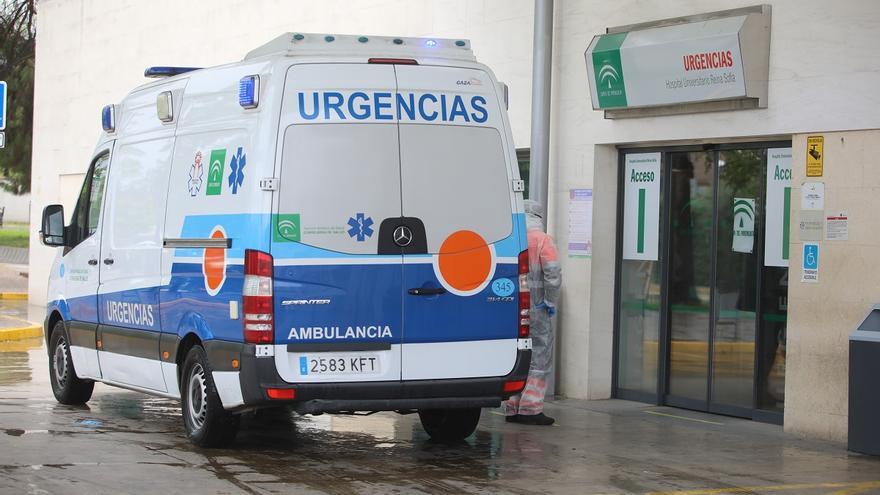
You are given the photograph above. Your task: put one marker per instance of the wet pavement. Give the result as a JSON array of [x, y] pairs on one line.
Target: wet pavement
[[13, 277], [16, 313], [125, 442]]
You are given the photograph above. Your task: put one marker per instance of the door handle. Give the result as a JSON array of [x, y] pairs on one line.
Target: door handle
[[93, 262], [426, 291], [108, 261]]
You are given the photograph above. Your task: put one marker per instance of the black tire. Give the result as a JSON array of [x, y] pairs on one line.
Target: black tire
[[450, 425], [67, 387], [207, 424]]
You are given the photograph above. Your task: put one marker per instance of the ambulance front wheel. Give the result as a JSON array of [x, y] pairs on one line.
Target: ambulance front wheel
[[67, 387], [207, 424], [450, 425]]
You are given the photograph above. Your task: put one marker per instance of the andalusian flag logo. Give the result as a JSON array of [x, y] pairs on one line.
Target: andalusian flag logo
[[608, 71], [743, 225], [215, 172]]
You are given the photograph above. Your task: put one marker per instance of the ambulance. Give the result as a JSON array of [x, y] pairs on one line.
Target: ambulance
[[333, 225]]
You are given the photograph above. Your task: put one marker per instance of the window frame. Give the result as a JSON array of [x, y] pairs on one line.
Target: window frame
[[79, 232]]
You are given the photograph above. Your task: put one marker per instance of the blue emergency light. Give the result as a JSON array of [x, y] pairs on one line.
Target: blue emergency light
[[108, 118], [249, 91], [430, 43]]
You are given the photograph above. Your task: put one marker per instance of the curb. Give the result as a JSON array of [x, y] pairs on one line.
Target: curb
[[21, 333], [17, 296]]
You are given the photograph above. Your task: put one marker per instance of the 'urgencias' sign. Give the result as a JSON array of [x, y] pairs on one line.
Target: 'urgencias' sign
[[723, 58]]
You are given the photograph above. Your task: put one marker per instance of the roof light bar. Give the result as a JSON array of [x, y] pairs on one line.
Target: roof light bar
[[164, 71], [359, 45]]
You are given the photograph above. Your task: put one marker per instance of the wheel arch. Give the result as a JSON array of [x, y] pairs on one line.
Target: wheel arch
[[188, 341], [52, 320]]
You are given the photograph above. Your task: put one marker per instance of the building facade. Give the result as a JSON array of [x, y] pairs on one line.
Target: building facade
[[702, 317]]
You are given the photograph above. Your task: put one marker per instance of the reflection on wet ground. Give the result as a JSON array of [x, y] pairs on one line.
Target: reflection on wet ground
[[14, 313], [125, 442]]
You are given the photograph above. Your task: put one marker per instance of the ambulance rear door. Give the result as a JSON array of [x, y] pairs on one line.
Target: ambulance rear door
[[460, 270], [337, 298]]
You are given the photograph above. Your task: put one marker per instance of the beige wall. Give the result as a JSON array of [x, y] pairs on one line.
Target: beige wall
[[822, 315]]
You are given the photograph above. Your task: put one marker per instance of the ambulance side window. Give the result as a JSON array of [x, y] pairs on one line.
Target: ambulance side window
[[87, 213]]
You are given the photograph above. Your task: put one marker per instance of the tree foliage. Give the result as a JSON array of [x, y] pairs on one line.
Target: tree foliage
[[17, 35]]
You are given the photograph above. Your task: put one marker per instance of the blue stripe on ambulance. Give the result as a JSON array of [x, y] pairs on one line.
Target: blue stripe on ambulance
[[186, 306]]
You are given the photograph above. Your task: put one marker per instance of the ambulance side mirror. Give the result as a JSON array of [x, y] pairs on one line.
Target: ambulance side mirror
[[52, 232]]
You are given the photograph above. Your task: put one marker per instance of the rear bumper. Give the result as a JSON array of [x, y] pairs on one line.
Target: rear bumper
[[259, 374]]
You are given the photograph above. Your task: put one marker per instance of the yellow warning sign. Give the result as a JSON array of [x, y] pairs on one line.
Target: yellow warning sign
[[815, 154]]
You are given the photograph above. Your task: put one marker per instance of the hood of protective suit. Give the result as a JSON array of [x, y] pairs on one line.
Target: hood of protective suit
[[534, 215]]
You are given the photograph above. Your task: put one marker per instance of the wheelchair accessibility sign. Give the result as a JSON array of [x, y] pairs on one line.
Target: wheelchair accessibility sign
[[810, 263]]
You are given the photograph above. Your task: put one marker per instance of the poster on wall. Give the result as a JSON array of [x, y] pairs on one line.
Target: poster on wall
[[743, 225], [778, 215], [580, 223], [641, 206]]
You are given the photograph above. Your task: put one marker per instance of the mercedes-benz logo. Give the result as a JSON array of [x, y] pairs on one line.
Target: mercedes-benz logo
[[403, 236]]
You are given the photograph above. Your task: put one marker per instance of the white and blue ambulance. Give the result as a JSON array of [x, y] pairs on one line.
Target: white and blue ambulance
[[333, 224]]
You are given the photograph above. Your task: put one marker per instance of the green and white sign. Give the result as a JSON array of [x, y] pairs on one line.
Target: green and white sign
[[641, 206], [609, 87], [287, 228], [215, 172], [778, 215], [717, 59], [743, 225]]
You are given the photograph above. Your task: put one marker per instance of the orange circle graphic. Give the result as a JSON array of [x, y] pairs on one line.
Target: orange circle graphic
[[215, 264], [465, 260]]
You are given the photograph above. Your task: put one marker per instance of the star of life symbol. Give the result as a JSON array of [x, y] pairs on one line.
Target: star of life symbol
[[236, 177], [360, 227], [195, 175]]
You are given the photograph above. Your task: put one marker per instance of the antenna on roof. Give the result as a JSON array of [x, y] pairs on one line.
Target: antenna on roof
[[162, 71]]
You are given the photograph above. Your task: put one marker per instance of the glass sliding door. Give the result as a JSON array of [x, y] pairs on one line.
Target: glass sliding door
[[690, 261], [701, 321], [773, 319], [738, 207], [640, 277]]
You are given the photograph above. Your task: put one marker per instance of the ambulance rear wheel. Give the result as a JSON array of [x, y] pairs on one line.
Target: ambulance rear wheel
[[67, 387], [450, 425], [207, 424]]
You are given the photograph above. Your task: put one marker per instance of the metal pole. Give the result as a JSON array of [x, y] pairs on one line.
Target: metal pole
[[542, 61]]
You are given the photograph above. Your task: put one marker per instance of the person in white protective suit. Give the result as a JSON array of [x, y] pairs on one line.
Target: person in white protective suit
[[545, 278]]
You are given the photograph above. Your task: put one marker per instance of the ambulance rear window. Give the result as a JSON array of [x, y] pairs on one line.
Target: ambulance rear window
[[338, 182], [455, 178]]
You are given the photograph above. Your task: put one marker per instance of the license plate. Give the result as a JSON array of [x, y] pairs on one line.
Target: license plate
[[362, 364]]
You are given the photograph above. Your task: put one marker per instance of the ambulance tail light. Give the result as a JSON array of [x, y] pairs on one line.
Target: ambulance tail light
[[257, 307], [514, 386], [397, 61], [524, 295]]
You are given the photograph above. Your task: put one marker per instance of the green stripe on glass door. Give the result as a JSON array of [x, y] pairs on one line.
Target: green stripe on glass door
[[786, 221], [640, 239]]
